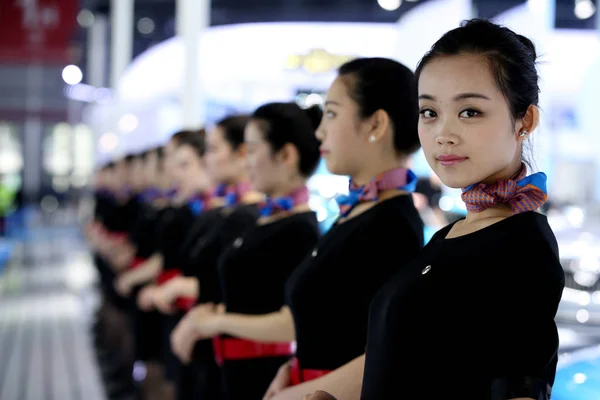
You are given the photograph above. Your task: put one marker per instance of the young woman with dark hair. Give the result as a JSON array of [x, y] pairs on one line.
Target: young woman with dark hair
[[478, 104], [368, 131], [283, 152]]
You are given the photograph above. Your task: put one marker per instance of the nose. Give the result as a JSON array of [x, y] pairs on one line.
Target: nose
[[447, 132], [447, 140], [320, 132]]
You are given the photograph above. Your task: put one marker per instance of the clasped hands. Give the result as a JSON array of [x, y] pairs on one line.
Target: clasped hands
[[201, 322]]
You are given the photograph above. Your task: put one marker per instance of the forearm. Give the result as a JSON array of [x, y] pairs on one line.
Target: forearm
[[343, 383], [273, 327], [185, 286], [146, 272], [190, 287]]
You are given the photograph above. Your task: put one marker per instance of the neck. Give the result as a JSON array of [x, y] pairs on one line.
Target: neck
[[185, 195], [506, 173], [287, 188], [365, 175], [498, 211], [238, 179]]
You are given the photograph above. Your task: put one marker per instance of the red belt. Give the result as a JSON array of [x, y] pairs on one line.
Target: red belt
[[299, 375], [182, 303], [167, 275], [241, 349], [185, 303], [137, 262]]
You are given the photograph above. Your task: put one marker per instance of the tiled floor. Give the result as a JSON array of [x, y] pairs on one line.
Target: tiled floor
[[45, 309]]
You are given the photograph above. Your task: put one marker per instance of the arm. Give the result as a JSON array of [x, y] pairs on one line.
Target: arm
[[121, 257], [165, 295], [522, 312], [143, 274], [343, 383], [187, 287], [274, 327]]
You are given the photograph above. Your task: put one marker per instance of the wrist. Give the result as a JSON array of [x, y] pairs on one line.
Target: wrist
[[221, 323], [125, 279]]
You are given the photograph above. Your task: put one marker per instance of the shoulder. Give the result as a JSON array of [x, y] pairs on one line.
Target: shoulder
[[397, 214], [299, 225], [530, 254], [245, 214]]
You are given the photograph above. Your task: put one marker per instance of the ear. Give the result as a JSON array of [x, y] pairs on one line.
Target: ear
[[529, 122], [289, 156], [379, 124]]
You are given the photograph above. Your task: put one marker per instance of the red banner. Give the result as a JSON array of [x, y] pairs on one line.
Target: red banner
[[36, 30]]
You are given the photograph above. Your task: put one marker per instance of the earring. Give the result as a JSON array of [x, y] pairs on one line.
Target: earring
[[372, 139], [524, 133]]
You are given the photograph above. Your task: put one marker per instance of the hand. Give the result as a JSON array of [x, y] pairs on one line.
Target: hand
[[166, 294], [281, 381], [145, 299], [123, 286], [183, 340], [206, 320], [319, 395], [122, 257]]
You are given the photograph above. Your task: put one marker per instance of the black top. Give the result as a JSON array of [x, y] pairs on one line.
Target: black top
[[143, 232], [172, 231], [222, 227], [254, 268], [104, 204], [121, 216], [471, 317], [330, 292]]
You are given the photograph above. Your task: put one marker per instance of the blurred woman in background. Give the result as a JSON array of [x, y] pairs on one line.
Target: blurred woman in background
[[282, 154]]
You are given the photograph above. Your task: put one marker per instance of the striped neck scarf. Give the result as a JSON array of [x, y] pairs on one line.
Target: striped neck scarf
[[521, 192]]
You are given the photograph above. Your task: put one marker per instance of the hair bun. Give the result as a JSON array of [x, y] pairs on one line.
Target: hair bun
[[315, 114], [529, 45]]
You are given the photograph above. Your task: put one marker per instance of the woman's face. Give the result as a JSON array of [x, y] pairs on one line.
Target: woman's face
[[465, 125], [137, 174], [189, 173], [151, 170], [342, 133], [169, 151], [265, 170], [223, 164]]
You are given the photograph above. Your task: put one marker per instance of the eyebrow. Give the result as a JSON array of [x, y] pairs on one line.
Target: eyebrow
[[328, 102], [461, 96]]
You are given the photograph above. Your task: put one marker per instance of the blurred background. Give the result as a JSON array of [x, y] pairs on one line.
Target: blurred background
[[83, 82]]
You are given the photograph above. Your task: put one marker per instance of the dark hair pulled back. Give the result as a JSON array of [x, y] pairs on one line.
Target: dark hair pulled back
[[285, 123], [384, 84], [191, 138], [512, 59], [233, 129]]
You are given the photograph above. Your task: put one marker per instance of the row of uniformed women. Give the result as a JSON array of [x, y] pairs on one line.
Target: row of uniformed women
[[279, 152], [367, 284]]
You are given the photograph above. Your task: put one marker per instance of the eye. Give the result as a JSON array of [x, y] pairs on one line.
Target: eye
[[330, 114], [470, 113], [427, 113]]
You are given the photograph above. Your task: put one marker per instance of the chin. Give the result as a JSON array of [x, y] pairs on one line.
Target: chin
[[336, 169], [257, 187], [332, 168], [454, 180]]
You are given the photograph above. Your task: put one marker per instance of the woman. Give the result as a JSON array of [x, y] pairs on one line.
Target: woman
[[478, 91], [192, 184], [230, 211], [282, 154], [368, 132]]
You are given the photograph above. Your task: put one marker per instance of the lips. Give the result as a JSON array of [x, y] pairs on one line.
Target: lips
[[448, 160], [324, 152]]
